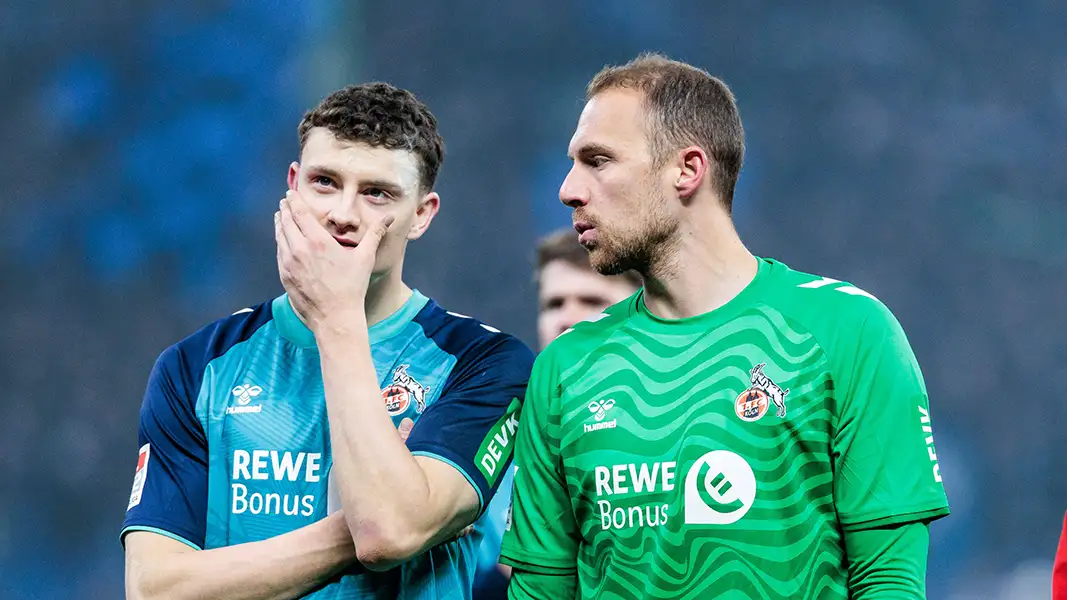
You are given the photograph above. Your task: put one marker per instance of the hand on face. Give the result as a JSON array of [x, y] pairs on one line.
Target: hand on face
[[323, 278]]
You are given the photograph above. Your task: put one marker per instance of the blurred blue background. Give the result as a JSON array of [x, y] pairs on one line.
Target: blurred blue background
[[914, 148]]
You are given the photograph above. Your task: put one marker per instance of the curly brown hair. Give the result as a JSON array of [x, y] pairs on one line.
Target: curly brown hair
[[381, 115]]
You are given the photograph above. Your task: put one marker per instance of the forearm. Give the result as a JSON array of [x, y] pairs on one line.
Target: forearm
[[888, 562], [280, 568], [382, 486]]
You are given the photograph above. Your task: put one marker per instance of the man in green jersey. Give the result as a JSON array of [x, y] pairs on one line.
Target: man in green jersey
[[736, 429]]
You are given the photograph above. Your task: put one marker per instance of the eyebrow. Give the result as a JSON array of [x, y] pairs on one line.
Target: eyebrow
[[385, 184], [591, 149]]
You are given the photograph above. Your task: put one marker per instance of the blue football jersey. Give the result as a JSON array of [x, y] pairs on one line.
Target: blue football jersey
[[235, 446]]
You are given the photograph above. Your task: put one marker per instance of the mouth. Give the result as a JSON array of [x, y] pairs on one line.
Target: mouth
[[347, 243], [587, 233]]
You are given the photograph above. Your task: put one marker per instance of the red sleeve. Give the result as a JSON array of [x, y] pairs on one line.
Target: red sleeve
[[1059, 569]]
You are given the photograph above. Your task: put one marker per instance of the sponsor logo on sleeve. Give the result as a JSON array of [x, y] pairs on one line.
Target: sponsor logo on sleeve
[[498, 445], [139, 476]]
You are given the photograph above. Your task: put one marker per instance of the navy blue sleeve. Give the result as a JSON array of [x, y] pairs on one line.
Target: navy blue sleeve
[[472, 424], [169, 493]]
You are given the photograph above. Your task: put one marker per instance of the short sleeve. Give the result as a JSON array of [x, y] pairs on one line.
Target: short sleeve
[[542, 535], [886, 469], [169, 493], [472, 425]]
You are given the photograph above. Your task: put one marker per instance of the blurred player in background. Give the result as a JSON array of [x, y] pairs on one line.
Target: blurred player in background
[[270, 463], [568, 291], [737, 428]]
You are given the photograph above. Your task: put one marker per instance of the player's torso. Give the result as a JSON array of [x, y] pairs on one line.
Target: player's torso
[[263, 410], [701, 463]]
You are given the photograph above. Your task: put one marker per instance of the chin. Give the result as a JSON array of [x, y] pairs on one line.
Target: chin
[[604, 262]]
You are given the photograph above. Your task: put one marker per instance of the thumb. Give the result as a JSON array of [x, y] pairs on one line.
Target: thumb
[[373, 238], [405, 429]]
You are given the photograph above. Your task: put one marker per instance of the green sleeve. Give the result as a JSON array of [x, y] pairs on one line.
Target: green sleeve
[[541, 534], [885, 465], [888, 562], [531, 585]]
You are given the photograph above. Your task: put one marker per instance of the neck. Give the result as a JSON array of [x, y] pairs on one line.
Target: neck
[[385, 296], [705, 266]]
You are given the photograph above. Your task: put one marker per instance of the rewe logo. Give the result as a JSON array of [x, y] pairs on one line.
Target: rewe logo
[[719, 489]]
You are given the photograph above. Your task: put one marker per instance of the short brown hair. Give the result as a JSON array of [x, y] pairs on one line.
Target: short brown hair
[[563, 245], [686, 106], [381, 115]]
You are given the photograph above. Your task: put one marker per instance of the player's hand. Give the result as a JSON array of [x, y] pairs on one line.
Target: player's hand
[[324, 279], [405, 428]]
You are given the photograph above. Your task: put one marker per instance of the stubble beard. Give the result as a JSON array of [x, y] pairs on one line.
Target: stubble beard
[[643, 248]]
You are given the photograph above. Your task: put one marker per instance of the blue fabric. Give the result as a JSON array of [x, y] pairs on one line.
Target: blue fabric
[[240, 448]]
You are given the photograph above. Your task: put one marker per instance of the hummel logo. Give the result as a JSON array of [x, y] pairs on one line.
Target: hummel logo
[[244, 394], [600, 408]]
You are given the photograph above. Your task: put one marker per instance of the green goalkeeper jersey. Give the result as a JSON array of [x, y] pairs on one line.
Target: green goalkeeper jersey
[[726, 455]]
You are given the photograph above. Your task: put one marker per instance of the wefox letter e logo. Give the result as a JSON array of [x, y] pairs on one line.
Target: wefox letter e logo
[[719, 489]]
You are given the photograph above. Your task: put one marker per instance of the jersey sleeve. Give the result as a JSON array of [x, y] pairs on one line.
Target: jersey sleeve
[[888, 562], [169, 493], [542, 534], [472, 425], [885, 465]]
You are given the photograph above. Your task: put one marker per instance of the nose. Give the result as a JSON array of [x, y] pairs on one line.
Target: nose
[[573, 192], [344, 213]]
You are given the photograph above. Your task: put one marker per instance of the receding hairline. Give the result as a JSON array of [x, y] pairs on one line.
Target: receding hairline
[[682, 105], [641, 76]]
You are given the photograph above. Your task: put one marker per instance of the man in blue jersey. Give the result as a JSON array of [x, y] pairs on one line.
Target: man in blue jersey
[[270, 464]]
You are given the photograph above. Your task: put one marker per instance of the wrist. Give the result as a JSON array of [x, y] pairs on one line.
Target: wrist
[[342, 326]]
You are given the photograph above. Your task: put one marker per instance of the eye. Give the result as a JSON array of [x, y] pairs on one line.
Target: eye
[[322, 180], [554, 303], [597, 161], [378, 194]]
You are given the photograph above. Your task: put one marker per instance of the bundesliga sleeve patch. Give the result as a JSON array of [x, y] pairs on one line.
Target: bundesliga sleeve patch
[[139, 476]]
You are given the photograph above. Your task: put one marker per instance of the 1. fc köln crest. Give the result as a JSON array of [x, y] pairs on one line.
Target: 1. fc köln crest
[[753, 403], [403, 391]]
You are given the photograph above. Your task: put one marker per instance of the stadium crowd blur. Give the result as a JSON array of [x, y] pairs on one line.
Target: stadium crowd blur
[[913, 148]]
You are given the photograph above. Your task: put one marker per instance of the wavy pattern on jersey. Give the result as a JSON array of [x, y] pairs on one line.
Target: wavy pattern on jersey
[[674, 400], [683, 350]]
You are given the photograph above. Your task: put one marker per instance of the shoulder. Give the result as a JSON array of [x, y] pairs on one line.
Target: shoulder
[[848, 323], [826, 305], [192, 354], [471, 341]]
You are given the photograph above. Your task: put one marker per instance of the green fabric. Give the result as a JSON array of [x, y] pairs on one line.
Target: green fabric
[[888, 562]]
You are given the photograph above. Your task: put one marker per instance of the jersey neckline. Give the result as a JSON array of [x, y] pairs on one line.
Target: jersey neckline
[[295, 331], [744, 299]]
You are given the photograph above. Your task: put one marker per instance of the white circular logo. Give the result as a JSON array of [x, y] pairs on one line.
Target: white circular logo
[[720, 487]]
